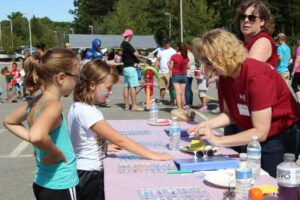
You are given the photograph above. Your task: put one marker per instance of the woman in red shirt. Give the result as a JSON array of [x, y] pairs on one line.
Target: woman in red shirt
[[255, 97], [254, 26], [178, 67]]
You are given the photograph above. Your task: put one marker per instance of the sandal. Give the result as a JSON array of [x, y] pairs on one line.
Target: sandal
[[126, 107], [137, 109]]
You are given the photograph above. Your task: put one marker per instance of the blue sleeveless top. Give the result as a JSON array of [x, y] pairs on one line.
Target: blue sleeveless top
[[60, 175]]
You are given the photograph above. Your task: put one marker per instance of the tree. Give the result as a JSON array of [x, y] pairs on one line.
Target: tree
[[206, 18], [91, 12]]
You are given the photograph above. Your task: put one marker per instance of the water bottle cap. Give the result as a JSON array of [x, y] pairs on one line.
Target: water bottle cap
[[243, 155], [254, 137], [289, 157]]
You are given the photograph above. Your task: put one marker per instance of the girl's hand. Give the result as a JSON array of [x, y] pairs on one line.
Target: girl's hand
[[161, 156], [113, 148], [51, 159]]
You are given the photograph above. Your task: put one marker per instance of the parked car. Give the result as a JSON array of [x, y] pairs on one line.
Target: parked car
[[19, 54], [5, 56]]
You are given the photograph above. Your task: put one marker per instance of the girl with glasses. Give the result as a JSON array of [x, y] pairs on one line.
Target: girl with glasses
[[55, 174]]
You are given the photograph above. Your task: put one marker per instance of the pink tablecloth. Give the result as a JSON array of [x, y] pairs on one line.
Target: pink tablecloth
[[126, 186]]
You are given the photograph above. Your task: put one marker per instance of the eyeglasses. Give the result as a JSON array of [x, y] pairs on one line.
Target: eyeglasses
[[206, 62], [251, 18], [207, 152]]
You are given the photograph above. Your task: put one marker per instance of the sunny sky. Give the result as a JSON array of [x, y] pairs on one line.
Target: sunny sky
[[56, 10]]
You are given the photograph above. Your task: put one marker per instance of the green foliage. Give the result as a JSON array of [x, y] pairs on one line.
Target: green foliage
[[91, 12], [42, 30], [153, 17]]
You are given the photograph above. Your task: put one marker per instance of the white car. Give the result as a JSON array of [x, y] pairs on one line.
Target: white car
[[19, 55], [4, 56]]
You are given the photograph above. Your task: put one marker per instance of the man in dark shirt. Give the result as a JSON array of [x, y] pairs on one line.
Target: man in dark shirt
[[129, 58]]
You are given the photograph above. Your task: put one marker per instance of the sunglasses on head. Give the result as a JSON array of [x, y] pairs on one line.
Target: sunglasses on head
[[207, 152], [251, 18]]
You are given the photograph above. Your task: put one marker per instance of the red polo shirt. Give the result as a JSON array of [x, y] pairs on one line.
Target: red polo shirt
[[257, 87]]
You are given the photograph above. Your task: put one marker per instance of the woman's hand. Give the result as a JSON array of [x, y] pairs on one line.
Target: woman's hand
[[161, 156], [206, 133], [193, 130]]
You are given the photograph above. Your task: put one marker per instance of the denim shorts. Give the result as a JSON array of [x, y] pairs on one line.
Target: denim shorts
[[180, 78], [130, 77]]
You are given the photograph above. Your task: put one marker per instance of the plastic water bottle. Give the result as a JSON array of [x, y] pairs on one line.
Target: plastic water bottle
[[254, 157], [174, 134], [298, 161], [243, 178], [288, 178], [153, 118]]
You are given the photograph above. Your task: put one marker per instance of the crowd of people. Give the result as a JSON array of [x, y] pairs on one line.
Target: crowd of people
[[251, 72]]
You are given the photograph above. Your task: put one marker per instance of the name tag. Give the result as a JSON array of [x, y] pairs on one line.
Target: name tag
[[243, 109]]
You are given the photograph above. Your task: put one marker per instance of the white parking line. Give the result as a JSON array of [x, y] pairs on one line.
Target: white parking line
[[18, 150], [20, 156]]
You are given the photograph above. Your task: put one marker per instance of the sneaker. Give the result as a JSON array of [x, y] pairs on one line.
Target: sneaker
[[104, 105], [203, 109], [215, 111], [158, 101]]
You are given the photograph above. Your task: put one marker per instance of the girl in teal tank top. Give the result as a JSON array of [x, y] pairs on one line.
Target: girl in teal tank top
[[55, 75]]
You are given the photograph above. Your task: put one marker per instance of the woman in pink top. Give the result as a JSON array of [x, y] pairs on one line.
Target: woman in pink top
[[296, 71], [178, 66]]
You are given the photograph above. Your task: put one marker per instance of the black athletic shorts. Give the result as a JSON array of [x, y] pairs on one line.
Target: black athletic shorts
[[42, 193], [91, 185]]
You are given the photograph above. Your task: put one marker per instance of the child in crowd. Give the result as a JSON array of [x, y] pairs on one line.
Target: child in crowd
[[148, 75], [118, 56], [55, 174], [1, 92], [10, 90], [89, 130], [172, 93], [202, 87], [17, 79]]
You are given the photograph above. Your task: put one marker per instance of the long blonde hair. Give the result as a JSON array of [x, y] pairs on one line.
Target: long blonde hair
[[226, 52], [52, 62]]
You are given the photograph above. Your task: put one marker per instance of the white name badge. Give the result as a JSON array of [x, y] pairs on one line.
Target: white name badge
[[243, 109]]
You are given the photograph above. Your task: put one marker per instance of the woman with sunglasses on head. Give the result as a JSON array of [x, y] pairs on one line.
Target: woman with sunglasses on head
[[271, 113], [254, 26]]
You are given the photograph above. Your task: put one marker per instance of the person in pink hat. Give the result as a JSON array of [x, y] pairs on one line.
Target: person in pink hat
[[130, 59]]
